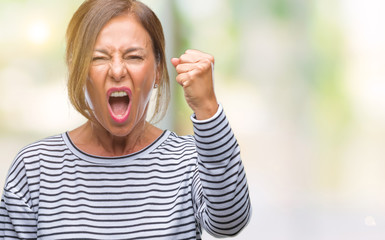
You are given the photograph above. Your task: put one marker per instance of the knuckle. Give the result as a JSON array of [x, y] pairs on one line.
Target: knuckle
[[205, 65], [178, 68], [211, 58], [190, 76], [201, 67], [179, 79], [183, 77], [189, 51], [206, 61], [184, 57]]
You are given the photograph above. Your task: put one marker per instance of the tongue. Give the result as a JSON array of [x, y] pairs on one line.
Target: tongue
[[118, 105]]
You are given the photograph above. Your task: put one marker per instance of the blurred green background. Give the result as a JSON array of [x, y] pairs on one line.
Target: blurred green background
[[302, 82]]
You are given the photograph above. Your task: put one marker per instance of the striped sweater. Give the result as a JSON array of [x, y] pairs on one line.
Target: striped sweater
[[169, 190]]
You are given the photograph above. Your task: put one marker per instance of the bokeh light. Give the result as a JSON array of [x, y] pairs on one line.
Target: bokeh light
[[38, 32], [302, 82]]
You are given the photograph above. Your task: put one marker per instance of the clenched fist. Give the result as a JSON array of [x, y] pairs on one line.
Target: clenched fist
[[195, 75]]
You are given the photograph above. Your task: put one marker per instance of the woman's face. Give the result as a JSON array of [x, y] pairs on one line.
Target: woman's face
[[122, 75]]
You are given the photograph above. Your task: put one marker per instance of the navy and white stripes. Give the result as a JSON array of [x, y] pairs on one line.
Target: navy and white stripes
[[169, 190]]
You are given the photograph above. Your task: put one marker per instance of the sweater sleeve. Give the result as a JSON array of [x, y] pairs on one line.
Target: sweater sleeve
[[221, 193], [17, 219]]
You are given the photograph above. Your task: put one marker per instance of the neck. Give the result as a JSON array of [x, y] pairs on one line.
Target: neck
[[94, 139], [119, 145]]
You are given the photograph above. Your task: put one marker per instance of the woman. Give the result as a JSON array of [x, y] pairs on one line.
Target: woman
[[118, 176]]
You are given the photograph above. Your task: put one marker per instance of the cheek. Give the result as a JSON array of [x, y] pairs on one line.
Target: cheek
[[145, 96], [95, 95], [145, 78], [95, 83], [144, 89], [98, 72]]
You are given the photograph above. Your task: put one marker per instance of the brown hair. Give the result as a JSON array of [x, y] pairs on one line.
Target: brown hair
[[81, 35]]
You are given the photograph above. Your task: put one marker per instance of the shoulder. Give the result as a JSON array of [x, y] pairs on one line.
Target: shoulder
[[28, 160], [177, 144], [174, 138], [51, 143], [32, 152]]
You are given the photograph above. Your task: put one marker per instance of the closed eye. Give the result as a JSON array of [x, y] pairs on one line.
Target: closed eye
[[99, 58], [133, 57]]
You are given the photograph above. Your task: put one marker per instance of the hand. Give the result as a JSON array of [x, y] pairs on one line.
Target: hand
[[195, 75]]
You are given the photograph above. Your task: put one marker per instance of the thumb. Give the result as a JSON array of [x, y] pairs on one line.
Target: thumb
[[175, 61]]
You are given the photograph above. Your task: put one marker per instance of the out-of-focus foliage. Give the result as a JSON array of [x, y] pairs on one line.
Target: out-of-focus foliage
[[302, 83]]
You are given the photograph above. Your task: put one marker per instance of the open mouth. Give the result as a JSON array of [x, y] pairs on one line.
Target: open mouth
[[119, 103]]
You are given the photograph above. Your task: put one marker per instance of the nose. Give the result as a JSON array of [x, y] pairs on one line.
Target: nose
[[117, 69]]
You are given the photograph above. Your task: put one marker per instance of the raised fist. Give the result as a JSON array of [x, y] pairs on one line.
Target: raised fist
[[195, 75]]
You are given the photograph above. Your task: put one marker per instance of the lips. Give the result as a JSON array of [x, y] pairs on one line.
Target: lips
[[119, 103]]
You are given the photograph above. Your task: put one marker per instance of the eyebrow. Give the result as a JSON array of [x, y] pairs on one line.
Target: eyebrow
[[129, 50]]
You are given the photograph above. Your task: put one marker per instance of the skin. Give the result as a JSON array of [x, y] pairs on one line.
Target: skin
[[194, 70], [123, 57]]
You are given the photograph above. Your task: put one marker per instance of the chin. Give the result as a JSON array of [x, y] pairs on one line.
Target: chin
[[119, 131], [121, 128]]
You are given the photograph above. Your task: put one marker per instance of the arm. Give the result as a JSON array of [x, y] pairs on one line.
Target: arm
[[221, 194], [17, 220], [225, 204]]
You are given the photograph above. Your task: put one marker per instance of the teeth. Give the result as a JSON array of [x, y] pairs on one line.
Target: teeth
[[118, 94]]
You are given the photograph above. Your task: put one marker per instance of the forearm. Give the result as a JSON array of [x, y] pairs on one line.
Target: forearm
[[222, 176]]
